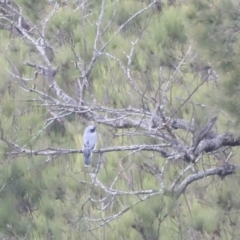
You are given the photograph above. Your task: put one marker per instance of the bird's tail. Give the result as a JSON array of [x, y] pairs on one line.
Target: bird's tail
[[87, 157], [87, 161]]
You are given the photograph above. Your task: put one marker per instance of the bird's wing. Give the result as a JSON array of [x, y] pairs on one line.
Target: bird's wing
[[89, 145], [90, 140], [88, 148]]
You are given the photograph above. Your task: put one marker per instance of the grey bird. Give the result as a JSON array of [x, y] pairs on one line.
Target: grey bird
[[89, 143]]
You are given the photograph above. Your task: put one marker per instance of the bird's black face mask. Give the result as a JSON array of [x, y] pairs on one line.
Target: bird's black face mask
[[92, 130]]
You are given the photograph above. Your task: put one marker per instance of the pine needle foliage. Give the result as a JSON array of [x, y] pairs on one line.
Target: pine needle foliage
[[112, 58]]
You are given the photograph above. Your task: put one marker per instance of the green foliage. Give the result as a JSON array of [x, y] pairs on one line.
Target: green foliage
[[171, 28], [203, 219], [33, 8], [53, 197], [215, 31]]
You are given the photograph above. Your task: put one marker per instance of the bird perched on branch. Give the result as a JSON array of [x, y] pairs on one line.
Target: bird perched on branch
[[89, 143]]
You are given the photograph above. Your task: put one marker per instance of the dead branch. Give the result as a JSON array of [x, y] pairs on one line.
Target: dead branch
[[223, 171]]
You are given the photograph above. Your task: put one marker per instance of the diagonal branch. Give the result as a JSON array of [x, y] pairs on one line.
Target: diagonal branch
[[223, 171], [210, 145], [203, 131]]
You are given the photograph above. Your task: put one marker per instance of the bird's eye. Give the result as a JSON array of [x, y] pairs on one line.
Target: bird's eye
[[92, 130]]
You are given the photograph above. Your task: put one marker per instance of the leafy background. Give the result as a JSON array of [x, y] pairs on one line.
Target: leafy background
[[188, 48]]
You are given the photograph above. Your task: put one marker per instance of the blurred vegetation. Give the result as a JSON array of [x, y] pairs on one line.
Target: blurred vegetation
[[189, 47]]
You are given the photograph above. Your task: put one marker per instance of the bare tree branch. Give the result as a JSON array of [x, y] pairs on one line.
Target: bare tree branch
[[223, 171]]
